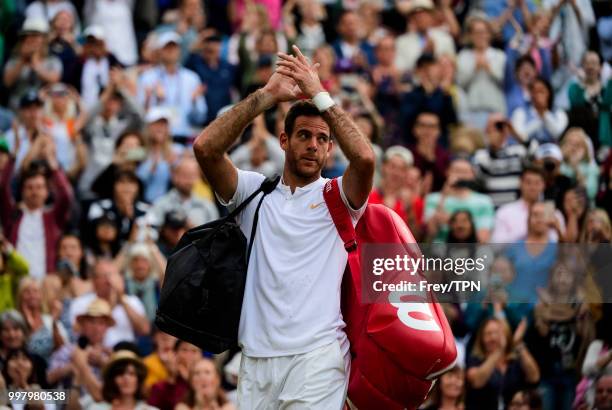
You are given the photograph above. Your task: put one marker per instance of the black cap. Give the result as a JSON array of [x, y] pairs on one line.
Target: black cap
[[175, 219], [30, 98]]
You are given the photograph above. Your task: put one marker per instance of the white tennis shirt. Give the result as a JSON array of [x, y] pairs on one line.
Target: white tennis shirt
[[291, 302]]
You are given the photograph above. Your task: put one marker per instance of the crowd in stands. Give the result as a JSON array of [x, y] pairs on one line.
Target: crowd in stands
[[491, 121]]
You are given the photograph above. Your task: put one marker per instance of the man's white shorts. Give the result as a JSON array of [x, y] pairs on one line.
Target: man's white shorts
[[313, 380]]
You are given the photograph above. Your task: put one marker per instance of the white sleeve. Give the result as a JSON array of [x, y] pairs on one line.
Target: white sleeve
[[555, 122], [137, 305], [355, 213], [248, 182], [589, 366]]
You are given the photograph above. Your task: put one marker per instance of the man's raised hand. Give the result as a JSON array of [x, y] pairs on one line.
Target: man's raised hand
[[301, 71], [282, 88]]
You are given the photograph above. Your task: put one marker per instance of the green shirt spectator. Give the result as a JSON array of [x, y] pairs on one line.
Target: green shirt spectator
[[458, 194], [13, 267], [479, 205]]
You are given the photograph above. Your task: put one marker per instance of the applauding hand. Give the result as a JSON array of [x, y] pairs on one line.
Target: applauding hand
[[300, 69]]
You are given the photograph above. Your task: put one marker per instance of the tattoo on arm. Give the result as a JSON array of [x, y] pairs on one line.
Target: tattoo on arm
[[223, 131], [350, 138]]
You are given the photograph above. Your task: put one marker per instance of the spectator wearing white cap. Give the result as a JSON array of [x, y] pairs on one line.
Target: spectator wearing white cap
[[180, 198], [550, 157], [31, 66], [423, 38], [174, 87], [393, 190], [94, 73], [161, 154], [117, 19]]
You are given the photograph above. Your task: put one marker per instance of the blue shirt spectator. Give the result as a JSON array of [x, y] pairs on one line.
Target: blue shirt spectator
[[215, 73]]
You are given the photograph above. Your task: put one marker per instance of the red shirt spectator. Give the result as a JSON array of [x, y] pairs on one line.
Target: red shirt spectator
[[37, 217]]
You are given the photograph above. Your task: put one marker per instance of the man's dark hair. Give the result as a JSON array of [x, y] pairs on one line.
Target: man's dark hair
[[534, 169], [526, 59], [300, 109]]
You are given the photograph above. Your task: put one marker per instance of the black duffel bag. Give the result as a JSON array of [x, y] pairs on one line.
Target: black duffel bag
[[201, 297]]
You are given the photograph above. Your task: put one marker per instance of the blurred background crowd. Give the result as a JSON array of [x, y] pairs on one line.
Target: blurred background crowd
[[490, 119]]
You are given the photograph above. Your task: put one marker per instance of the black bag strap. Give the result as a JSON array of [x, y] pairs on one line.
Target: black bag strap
[[267, 186]]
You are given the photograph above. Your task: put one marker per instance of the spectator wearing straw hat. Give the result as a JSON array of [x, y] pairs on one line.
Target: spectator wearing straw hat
[[80, 364]]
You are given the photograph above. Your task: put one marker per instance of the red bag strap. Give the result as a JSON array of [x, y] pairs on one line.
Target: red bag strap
[[344, 224]]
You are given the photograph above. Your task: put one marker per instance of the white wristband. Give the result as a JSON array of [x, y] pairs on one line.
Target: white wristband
[[323, 101]]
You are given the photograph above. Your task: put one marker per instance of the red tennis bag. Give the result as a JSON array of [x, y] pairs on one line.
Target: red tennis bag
[[397, 349]]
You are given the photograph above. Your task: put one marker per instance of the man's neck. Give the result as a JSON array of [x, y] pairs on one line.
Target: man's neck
[[183, 195], [294, 181], [32, 208], [171, 68]]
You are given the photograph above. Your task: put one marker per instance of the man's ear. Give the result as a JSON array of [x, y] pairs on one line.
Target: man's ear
[[330, 148], [284, 141]]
